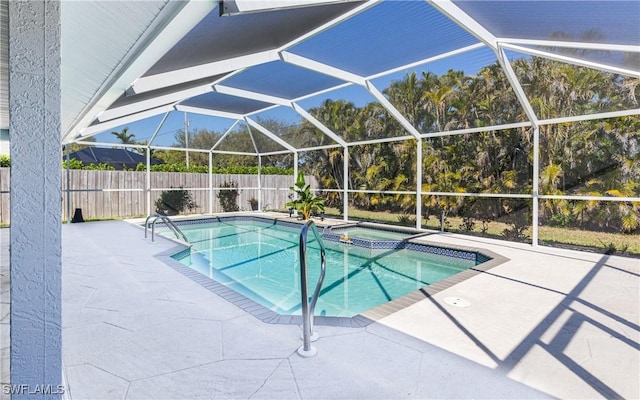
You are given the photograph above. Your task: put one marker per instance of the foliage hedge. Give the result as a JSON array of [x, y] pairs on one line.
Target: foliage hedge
[[5, 161], [236, 169]]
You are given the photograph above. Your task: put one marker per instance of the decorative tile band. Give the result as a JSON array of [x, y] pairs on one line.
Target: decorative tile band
[[405, 244]]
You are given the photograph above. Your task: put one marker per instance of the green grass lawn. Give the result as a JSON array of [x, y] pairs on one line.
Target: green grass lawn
[[547, 235]]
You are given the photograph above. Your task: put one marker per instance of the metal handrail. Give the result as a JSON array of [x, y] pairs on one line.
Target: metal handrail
[[146, 223], [308, 306], [172, 226]]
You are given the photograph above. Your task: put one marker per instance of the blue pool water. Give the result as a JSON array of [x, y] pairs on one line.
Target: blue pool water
[[260, 260]]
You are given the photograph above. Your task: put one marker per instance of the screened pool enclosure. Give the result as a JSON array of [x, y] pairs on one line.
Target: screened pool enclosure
[[524, 112]]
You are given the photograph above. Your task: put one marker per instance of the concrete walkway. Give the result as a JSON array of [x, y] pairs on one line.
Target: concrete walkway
[[548, 323]]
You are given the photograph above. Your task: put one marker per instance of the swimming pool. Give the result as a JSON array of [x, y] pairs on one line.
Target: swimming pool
[[259, 259]]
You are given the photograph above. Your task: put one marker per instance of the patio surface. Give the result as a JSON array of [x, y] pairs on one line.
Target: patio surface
[[547, 323]]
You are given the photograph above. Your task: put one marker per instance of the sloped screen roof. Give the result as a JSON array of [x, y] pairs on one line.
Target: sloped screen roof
[[243, 65]]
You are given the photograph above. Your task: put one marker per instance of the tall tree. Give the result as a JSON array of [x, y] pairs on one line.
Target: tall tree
[[124, 136]]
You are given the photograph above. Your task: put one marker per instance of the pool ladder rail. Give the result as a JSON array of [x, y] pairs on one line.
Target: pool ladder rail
[[167, 221], [309, 305]]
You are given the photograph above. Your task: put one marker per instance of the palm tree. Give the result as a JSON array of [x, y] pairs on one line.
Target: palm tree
[[124, 137]]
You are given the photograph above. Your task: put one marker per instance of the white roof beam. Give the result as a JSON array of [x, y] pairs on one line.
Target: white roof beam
[[517, 88], [323, 91], [428, 60], [572, 45], [319, 125], [381, 140], [176, 77], [270, 134], [478, 130], [237, 153], [170, 27], [235, 7], [261, 110], [326, 146], [275, 153], [155, 133], [392, 110], [206, 111], [464, 21], [578, 118], [251, 95], [185, 149], [330, 24], [322, 68], [154, 102], [571, 60], [104, 126], [105, 144], [225, 135], [255, 147], [482, 129]]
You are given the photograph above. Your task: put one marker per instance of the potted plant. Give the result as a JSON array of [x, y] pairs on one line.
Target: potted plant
[[306, 202]]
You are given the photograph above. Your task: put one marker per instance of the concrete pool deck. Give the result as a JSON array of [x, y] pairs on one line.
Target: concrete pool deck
[[546, 323]]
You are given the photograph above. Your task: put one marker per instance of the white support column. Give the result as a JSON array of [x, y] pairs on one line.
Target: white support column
[[259, 182], [345, 184], [36, 196], [295, 174], [147, 188], [186, 137], [419, 184], [68, 191], [210, 182], [536, 186]]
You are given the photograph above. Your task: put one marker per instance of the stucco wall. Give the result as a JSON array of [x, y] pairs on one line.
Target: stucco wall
[[35, 259]]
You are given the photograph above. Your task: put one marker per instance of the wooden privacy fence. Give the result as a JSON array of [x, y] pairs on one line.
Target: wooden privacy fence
[[120, 194]]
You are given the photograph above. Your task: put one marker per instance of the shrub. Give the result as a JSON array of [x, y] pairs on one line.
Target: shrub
[[172, 202], [253, 203], [611, 248], [5, 160], [229, 197], [485, 226], [406, 220], [77, 164], [517, 228], [563, 220], [468, 224]]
